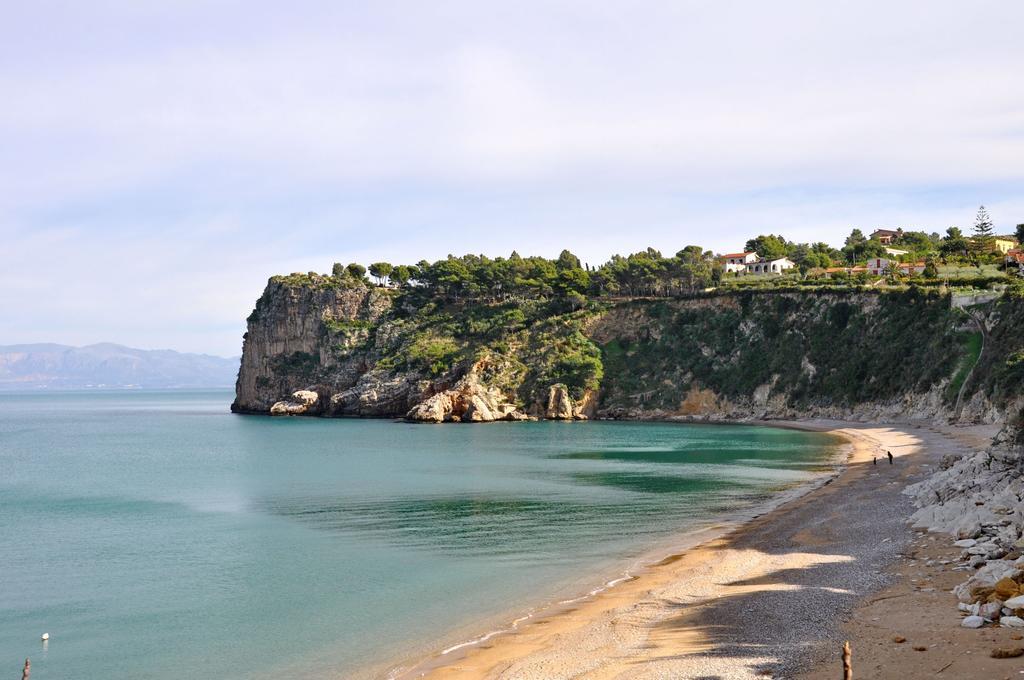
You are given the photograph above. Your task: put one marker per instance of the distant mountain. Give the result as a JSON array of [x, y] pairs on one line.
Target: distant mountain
[[46, 365]]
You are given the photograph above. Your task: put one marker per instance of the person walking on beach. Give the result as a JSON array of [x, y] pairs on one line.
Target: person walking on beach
[[874, 460], [889, 453]]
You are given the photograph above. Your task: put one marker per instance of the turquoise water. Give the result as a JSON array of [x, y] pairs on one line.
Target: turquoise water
[[155, 535]]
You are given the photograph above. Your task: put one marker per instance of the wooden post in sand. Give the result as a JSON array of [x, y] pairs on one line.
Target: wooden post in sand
[[27, 670], [847, 662]]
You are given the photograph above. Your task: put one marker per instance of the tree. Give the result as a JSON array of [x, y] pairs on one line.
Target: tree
[[892, 270], [853, 247], [855, 238], [567, 260], [984, 239], [356, 271], [1020, 234], [931, 270], [338, 270], [917, 242], [380, 271], [770, 247], [954, 244], [857, 248], [575, 300], [693, 268], [450, 275], [401, 275], [812, 256]]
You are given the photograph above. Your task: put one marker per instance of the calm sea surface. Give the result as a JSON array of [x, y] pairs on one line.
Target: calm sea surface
[[155, 535]]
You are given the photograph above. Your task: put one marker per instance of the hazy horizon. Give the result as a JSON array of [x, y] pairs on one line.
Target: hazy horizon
[[162, 161], [11, 346]]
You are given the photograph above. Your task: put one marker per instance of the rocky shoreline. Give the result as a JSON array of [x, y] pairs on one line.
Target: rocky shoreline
[[978, 500], [468, 401]]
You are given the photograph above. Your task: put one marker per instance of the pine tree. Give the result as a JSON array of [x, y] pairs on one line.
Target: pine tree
[[380, 271], [984, 234]]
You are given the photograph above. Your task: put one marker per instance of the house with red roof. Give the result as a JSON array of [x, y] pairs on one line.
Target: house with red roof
[[1015, 258], [737, 262], [885, 236]]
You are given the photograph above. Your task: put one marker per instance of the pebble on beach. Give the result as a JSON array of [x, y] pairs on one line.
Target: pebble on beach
[[1007, 652]]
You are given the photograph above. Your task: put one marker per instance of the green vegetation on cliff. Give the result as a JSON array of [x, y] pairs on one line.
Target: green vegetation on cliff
[[641, 334], [825, 348], [999, 371], [536, 343]]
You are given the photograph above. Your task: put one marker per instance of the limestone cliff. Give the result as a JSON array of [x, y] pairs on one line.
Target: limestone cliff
[[315, 347], [299, 335]]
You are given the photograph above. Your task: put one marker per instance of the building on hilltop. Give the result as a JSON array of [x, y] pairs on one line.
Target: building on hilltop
[[885, 236], [776, 266], [1005, 244], [737, 262], [751, 263], [880, 266]]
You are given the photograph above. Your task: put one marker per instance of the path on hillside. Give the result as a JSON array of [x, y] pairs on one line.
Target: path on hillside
[[970, 373]]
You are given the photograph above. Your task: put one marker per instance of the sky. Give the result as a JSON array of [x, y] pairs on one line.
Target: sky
[[160, 160]]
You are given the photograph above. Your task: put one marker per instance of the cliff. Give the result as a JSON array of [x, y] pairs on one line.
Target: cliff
[[304, 333], [321, 346]]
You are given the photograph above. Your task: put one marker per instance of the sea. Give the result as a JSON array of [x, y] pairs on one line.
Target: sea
[[153, 534]]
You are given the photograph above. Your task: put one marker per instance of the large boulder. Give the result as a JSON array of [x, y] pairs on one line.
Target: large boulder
[[983, 582], [436, 409], [478, 410], [973, 622], [299, 403], [586, 406], [559, 403]]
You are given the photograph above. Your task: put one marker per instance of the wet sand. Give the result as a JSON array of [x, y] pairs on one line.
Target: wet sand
[[766, 600]]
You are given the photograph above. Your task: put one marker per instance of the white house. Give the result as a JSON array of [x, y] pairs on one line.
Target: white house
[[879, 266], [737, 262], [763, 266]]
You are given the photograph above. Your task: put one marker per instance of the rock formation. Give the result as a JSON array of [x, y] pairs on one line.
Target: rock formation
[[469, 400], [301, 402], [284, 348], [559, 403], [979, 500], [853, 355]]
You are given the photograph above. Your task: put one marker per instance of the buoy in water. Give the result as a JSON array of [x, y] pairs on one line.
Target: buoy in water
[[45, 637]]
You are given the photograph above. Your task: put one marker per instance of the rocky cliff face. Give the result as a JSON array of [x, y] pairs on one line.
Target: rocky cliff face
[[785, 355], [302, 335], [316, 348]]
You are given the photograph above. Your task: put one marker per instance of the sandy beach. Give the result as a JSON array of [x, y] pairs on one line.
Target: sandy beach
[[773, 598]]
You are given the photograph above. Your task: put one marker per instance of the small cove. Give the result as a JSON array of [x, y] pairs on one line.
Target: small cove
[[154, 535]]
